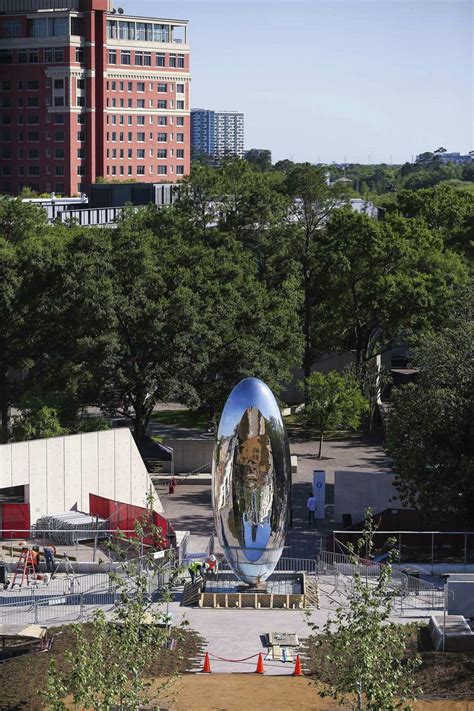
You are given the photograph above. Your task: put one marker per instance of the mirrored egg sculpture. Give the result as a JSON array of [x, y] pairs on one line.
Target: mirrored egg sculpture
[[251, 481]]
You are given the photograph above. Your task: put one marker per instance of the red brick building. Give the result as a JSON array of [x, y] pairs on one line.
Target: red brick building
[[88, 91]]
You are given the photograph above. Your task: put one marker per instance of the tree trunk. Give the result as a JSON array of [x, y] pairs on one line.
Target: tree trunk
[[321, 436], [139, 426], [4, 407]]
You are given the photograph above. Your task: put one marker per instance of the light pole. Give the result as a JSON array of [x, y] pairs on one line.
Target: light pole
[[445, 577]]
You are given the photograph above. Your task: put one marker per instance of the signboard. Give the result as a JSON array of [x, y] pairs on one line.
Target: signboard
[[319, 492]]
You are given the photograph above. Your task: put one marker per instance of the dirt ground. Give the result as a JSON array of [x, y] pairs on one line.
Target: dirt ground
[[250, 692]]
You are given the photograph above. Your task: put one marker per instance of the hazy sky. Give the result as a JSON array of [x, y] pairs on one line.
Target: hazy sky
[[321, 80]]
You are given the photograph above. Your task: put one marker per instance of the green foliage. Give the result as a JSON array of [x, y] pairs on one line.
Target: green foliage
[[38, 424], [260, 159], [364, 650], [430, 430], [108, 666], [378, 279], [333, 401]]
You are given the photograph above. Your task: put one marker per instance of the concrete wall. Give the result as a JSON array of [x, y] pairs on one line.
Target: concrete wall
[[61, 472], [354, 491], [291, 393], [189, 455]]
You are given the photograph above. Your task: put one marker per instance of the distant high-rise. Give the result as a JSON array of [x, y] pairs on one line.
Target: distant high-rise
[[203, 131], [217, 133]]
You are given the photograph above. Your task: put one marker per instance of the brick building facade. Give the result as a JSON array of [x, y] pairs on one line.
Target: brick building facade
[[88, 92]]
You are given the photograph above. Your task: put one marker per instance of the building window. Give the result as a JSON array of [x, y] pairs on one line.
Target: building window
[[162, 103], [180, 137], [147, 59], [160, 59], [59, 188], [48, 27], [58, 55], [139, 59], [162, 121], [33, 101], [140, 103], [11, 28], [33, 136], [180, 88], [59, 170], [33, 119], [59, 153], [180, 120], [112, 56], [80, 55], [81, 101], [114, 86], [140, 152], [58, 118], [162, 88], [33, 154], [130, 152], [121, 85], [161, 170], [32, 85], [130, 86], [81, 170], [180, 153], [161, 137], [180, 61], [130, 137], [81, 136], [140, 137], [81, 152], [180, 170], [172, 60], [161, 153], [59, 83], [140, 86], [140, 120], [59, 100], [33, 170], [180, 105], [81, 84], [81, 118], [5, 85], [125, 57], [22, 57], [6, 56], [59, 135]]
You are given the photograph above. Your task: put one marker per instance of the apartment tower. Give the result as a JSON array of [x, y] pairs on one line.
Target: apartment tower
[[87, 91]]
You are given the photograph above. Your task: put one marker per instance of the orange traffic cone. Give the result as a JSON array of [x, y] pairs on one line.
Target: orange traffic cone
[[298, 670], [206, 667], [260, 669]]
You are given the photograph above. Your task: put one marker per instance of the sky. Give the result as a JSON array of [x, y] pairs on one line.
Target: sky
[[334, 80]]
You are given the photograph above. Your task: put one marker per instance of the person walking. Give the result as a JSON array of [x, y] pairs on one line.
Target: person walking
[[311, 506]]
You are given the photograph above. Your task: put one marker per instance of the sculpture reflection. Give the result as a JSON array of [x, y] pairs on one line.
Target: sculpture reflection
[[251, 474]]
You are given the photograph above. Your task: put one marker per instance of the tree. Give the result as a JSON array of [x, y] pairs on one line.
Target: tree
[[312, 202], [377, 279], [260, 159], [373, 379], [38, 424], [136, 301], [333, 401], [108, 666], [31, 259], [364, 660], [430, 428]]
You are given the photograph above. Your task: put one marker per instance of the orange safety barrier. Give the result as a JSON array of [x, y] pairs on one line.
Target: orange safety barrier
[[298, 670], [260, 669], [206, 667]]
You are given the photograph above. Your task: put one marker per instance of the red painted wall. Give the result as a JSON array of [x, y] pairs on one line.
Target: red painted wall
[[123, 516], [15, 520]]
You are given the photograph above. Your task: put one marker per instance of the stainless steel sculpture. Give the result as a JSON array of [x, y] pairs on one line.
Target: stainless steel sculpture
[[251, 481]]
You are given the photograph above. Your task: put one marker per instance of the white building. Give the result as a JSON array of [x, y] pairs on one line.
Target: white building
[[60, 473], [229, 134]]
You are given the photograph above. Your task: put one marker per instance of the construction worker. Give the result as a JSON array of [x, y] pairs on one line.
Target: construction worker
[[49, 554], [35, 558], [195, 570]]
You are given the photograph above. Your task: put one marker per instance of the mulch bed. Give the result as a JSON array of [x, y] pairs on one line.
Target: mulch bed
[[442, 675], [21, 678]]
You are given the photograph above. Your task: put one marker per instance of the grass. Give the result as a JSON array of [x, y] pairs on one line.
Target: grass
[[189, 419]]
